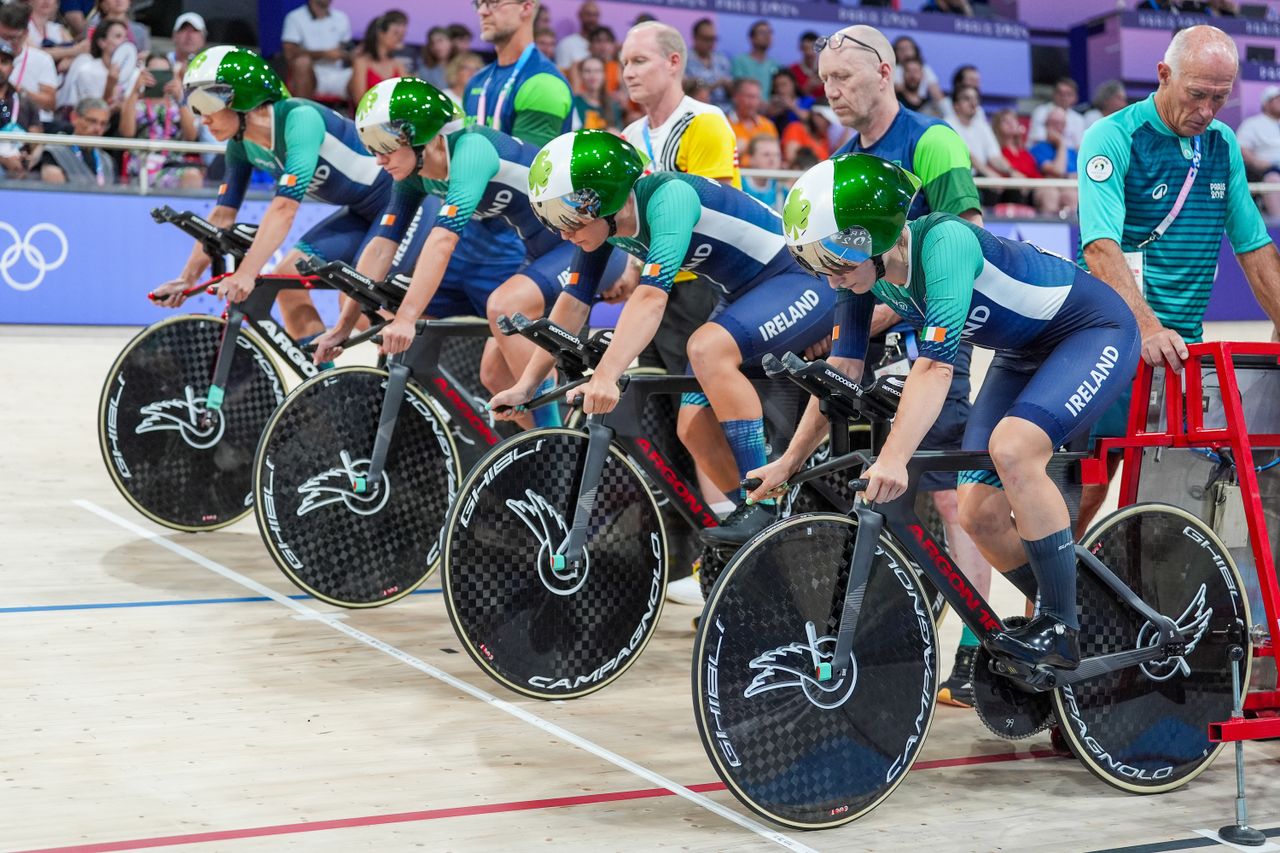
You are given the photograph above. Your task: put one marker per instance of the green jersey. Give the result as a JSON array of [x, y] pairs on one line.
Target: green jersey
[[1134, 168]]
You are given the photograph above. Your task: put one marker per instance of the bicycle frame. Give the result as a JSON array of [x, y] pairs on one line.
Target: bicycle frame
[[1185, 410]]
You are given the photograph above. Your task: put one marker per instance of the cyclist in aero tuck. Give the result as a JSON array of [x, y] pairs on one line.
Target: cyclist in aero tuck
[[1065, 345], [588, 185], [311, 151]]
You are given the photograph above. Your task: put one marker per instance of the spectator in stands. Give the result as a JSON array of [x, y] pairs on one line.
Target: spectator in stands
[[108, 71], [924, 91], [85, 167], [745, 117], [375, 59], [912, 93], [805, 72], [542, 21], [73, 14], [34, 71], [764, 152], [315, 40], [154, 111], [436, 54], [1218, 8], [950, 7], [1056, 158], [593, 106], [139, 34], [813, 133], [984, 150], [1012, 138], [604, 47], [1259, 138], [461, 37], [708, 65], [575, 47], [699, 90], [189, 37], [756, 63], [459, 73], [1108, 98], [1065, 96], [545, 39], [787, 104], [965, 75], [18, 114], [46, 33]]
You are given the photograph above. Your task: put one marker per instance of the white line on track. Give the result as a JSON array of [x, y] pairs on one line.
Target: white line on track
[[300, 609]]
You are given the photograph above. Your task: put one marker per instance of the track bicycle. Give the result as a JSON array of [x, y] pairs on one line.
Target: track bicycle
[[556, 553], [357, 467], [185, 402], [815, 667]]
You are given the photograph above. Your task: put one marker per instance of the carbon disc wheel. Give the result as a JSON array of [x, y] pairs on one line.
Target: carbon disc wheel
[[176, 462], [804, 753], [345, 548], [1144, 729], [538, 632]]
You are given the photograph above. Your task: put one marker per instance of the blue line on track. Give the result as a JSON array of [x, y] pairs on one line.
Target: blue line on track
[[43, 608]]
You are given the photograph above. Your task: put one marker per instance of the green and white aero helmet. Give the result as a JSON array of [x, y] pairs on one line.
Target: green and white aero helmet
[[403, 111], [845, 210], [230, 78], [581, 176]]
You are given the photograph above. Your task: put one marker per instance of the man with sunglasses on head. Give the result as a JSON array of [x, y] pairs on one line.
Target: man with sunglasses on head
[[857, 69], [311, 152]]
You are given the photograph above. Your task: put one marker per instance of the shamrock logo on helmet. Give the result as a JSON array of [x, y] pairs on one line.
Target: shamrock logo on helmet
[[795, 215], [366, 103], [540, 172], [198, 62]]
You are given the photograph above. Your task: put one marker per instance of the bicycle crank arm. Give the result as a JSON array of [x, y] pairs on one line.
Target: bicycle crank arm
[[222, 366], [397, 381], [1050, 678], [570, 554]]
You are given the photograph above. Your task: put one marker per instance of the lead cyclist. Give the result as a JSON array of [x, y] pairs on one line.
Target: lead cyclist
[[1065, 345]]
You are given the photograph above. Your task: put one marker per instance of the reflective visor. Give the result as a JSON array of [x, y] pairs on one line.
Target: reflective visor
[[382, 138], [566, 212], [208, 100]]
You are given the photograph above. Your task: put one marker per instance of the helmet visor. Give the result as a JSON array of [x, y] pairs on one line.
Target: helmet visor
[[840, 252], [383, 138], [207, 100], [570, 211]]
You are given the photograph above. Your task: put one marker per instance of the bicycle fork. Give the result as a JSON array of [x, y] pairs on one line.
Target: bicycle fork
[[569, 557], [397, 380], [870, 524], [222, 366]]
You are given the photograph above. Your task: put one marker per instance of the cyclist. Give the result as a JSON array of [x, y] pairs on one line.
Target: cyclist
[[482, 173], [1066, 344], [588, 185], [310, 151]]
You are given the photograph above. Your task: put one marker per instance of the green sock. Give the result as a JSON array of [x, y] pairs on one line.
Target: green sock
[[967, 638]]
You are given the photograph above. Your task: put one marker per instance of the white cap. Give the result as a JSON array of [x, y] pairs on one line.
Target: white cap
[[827, 113], [192, 19]]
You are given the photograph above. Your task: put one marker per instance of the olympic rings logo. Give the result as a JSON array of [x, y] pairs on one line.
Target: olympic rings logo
[[25, 249]]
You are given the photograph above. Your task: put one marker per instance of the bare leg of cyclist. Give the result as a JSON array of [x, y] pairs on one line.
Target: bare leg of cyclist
[[494, 374], [519, 295], [301, 319], [986, 515], [957, 689], [700, 433], [1020, 450]]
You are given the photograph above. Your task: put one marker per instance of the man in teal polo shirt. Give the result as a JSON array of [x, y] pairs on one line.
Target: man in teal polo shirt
[[1160, 183]]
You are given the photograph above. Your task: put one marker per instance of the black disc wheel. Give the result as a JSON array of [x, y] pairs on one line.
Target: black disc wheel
[[801, 752], [349, 548], [539, 632], [179, 464], [1144, 729]]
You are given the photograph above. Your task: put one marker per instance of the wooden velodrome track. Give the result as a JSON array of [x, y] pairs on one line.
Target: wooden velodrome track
[[166, 690]]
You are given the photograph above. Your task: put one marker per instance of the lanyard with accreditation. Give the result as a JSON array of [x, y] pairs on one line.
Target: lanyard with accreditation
[[1135, 258], [481, 113]]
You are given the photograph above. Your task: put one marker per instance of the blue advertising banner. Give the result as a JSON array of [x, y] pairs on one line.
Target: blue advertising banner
[[91, 258]]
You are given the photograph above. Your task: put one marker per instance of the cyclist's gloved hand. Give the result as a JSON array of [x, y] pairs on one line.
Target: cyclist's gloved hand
[[508, 405], [886, 480], [171, 294], [397, 336], [599, 396], [329, 345], [235, 287], [773, 480]]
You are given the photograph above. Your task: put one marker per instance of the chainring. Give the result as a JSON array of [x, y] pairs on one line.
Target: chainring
[[1007, 710]]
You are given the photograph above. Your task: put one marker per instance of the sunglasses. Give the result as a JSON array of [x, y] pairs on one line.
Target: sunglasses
[[834, 42]]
